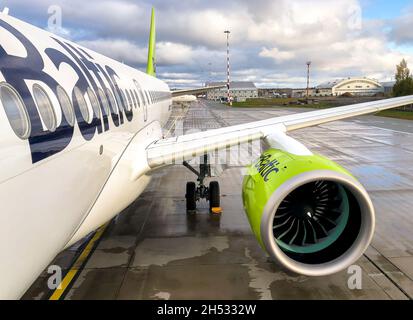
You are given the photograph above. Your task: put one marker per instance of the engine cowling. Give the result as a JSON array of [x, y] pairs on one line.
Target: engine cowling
[[309, 214]]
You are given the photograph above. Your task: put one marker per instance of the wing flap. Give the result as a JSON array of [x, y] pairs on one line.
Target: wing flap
[[180, 150]]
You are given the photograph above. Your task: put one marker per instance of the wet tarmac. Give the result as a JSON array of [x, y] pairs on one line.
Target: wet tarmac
[[154, 250]]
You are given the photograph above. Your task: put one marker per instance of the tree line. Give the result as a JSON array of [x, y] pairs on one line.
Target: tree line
[[404, 80]]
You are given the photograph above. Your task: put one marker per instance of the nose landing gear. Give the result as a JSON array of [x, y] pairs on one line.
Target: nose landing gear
[[194, 193]]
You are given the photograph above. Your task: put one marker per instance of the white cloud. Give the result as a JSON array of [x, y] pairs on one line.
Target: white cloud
[[121, 50], [403, 26], [277, 55], [270, 39], [173, 53]]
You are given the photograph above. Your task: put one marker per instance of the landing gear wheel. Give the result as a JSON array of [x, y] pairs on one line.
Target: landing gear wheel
[[214, 197], [190, 196], [195, 193]]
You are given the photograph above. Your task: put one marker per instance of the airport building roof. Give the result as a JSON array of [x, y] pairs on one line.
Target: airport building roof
[[388, 84], [234, 84], [333, 83], [329, 84]]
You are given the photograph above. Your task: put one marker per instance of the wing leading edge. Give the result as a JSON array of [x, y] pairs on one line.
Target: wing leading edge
[[175, 150]]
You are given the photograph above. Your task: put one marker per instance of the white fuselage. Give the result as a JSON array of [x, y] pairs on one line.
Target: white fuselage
[[66, 178]]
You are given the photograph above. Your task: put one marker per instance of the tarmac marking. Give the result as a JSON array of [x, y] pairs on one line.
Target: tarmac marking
[[78, 264], [381, 128], [181, 117], [388, 274]]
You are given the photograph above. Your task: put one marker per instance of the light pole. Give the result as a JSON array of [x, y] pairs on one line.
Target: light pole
[[227, 32], [308, 79]]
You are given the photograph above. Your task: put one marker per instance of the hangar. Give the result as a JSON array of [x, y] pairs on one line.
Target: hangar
[[353, 86]]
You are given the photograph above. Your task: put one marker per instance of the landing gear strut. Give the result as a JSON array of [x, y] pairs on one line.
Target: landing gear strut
[[194, 193]]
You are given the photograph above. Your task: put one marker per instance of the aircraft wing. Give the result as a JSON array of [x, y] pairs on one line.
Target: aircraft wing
[[179, 93], [175, 150]]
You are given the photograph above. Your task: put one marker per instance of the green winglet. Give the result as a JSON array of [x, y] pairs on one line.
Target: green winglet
[[151, 66]]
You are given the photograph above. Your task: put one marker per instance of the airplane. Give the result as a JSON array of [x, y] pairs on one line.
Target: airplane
[[80, 134]]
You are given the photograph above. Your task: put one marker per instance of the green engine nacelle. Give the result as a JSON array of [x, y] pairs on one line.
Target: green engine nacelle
[[310, 214]]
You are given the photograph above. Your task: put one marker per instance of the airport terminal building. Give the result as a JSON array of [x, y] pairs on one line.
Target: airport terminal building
[[240, 91], [348, 86]]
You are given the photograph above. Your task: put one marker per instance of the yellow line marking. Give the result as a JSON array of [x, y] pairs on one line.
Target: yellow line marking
[[181, 117], [173, 125], [57, 294]]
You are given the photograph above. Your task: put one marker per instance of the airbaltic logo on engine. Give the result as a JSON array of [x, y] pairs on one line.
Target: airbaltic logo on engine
[[265, 166]]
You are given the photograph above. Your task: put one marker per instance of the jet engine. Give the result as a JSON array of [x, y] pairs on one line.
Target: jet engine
[[308, 213]]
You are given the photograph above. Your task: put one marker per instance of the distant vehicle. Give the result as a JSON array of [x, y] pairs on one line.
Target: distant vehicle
[[225, 99], [280, 95]]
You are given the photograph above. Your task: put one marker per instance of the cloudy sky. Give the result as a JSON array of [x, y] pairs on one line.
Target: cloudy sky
[[271, 40]]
